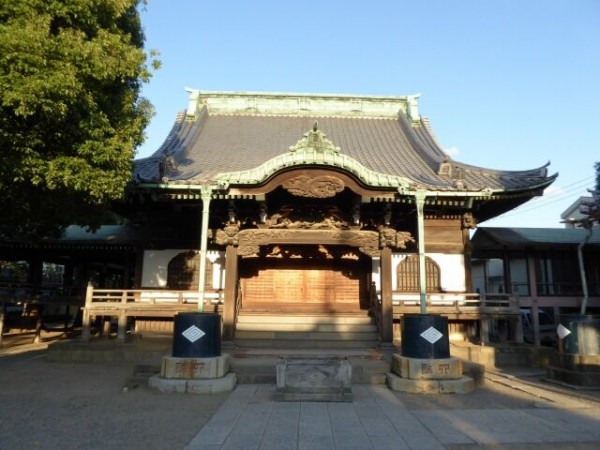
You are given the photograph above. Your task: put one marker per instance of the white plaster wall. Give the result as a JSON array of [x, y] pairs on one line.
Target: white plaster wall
[[154, 269], [156, 262], [452, 270], [376, 274]]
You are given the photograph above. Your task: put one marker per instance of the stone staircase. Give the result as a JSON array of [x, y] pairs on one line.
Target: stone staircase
[[305, 330], [262, 338], [258, 365]]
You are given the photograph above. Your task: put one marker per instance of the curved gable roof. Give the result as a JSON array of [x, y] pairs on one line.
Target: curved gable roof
[[234, 132]]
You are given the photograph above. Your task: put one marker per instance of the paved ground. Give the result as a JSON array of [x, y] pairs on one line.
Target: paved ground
[[46, 405], [381, 419]]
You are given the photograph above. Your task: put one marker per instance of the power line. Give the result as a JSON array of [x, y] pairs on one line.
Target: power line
[[549, 199]]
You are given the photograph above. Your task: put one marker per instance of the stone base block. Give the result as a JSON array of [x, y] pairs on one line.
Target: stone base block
[[427, 369], [461, 385], [209, 386], [194, 368], [313, 379]]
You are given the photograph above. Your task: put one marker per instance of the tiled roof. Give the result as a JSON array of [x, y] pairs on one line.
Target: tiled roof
[[213, 141], [489, 238]]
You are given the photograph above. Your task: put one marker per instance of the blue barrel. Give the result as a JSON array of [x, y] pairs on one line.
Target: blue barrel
[[425, 336], [197, 335], [584, 336]]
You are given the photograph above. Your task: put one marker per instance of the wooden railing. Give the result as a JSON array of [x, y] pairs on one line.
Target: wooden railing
[[27, 307], [28, 292], [124, 303], [457, 304], [375, 308]]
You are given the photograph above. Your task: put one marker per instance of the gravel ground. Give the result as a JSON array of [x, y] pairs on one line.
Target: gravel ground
[[48, 405], [45, 405]]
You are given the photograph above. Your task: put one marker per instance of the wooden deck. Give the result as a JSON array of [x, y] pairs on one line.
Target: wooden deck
[[123, 304], [126, 303]]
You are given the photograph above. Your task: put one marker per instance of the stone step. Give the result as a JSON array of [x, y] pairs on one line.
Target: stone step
[[262, 368], [309, 319], [316, 327], [306, 335], [301, 343]]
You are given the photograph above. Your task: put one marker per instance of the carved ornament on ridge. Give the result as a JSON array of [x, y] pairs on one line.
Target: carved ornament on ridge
[[324, 186], [315, 140]]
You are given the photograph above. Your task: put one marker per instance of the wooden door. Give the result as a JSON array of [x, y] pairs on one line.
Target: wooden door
[[304, 285]]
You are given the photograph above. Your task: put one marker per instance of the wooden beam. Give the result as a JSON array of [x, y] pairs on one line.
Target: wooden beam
[[387, 331], [231, 279]]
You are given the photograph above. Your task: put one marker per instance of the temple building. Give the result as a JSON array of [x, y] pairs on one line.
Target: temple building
[[299, 217], [327, 205]]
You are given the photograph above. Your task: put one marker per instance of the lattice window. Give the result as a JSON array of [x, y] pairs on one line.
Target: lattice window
[[408, 275], [182, 272]]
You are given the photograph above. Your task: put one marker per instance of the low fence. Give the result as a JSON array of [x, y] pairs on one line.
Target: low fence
[[29, 307], [457, 305], [127, 303]]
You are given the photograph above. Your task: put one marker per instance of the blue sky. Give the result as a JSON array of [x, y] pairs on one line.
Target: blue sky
[[506, 84]]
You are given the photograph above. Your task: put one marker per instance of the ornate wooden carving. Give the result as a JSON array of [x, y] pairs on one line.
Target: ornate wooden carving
[[388, 237], [303, 236], [227, 236], [468, 221], [314, 187], [307, 218], [373, 252], [285, 231]]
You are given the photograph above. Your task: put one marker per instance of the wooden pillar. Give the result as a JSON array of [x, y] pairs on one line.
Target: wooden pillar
[[85, 325], [38, 323], [2, 316], [533, 294], [231, 280], [485, 330], [467, 260], [122, 319], [139, 268], [387, 319]]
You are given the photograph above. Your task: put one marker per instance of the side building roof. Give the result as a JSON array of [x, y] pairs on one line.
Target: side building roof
[[492, 238]]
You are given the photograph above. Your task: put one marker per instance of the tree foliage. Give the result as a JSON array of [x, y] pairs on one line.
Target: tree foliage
[[71, 113]]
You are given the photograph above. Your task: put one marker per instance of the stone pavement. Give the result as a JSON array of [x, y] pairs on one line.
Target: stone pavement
[[379, 419]]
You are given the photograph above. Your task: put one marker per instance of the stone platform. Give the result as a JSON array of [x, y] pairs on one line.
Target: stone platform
[[194, 375], [428, 376]]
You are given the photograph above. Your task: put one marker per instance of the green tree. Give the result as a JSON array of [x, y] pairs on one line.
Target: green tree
[[71, 113]]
